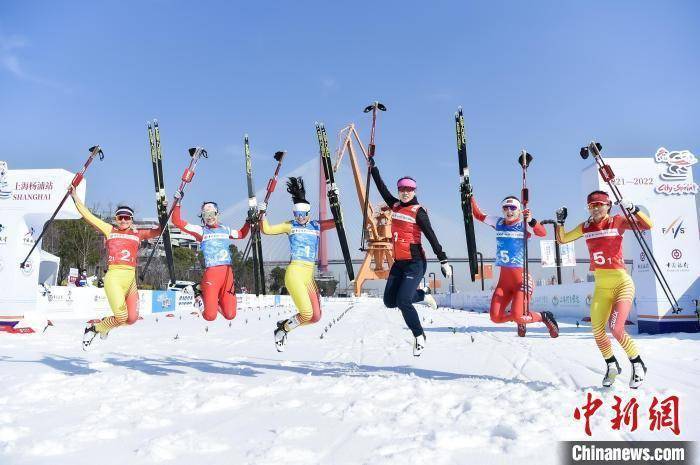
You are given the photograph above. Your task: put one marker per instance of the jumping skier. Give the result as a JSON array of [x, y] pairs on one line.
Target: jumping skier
[[510, 258], [304, 235], [408, 221], [217, 284], [614, 288], [122, 242]]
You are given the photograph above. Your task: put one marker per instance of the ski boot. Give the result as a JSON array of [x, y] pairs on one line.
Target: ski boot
[[280, 336], [613, 369], [522, 329], [430, 301], [550, 323], [639, 371], [89, 335], [418, 345]]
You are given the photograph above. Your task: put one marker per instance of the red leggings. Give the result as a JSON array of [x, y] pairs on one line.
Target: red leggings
[[510, 288], [218, 292]]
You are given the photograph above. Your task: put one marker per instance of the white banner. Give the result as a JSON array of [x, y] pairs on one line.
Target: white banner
[[27, 199], [567, 252], [568, 300], [548, 253]]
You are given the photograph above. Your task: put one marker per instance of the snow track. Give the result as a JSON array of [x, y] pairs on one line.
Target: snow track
[[479, 394]]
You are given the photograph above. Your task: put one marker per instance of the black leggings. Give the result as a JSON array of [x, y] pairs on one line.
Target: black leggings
[[402, 291]]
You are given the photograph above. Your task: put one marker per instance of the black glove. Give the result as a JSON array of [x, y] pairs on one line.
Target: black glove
[[561, 215]]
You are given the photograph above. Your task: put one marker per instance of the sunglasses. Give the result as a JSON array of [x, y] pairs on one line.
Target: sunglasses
[[596, 204], [510, 207], [124, 218], [301, 214]]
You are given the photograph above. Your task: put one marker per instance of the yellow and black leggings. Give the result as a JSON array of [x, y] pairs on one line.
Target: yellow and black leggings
[[123, 298], [299, 280], [612, 302]]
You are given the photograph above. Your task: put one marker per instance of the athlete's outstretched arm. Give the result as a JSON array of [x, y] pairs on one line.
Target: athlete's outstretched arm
[[95, 222], [145, 234], [642, 220], [272, 230], [423, 223], [483, 216], [537, 227], [563, 237], [241, 233], [381, 187], [193, 230]]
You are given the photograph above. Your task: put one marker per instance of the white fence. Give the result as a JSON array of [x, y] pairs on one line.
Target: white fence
[[568, 300]]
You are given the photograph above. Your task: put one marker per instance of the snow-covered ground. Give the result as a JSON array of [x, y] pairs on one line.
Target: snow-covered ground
[[479, 394]]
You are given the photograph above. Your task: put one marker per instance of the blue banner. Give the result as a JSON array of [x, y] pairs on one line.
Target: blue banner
[[163, 301]]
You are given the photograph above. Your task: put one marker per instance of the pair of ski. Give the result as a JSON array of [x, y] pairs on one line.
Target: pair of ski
[[254, 245], [466, 200], [164, 214], [161, 208], [334, 197]]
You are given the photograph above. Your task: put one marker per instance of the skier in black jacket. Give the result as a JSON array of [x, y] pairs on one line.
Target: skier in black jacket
[[409, 220]]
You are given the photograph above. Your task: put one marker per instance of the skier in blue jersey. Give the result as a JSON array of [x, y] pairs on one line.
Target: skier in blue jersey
[[304, 234]]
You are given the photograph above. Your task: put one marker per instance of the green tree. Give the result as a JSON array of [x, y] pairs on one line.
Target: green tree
[[327, 287], [276, 279], [243, 270], [183, 259], [76, 243]]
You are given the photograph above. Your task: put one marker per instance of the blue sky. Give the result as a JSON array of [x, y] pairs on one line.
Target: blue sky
[[545, 75]]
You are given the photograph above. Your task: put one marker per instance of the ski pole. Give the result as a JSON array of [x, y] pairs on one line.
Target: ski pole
[[271, 184], [524, 160], [370, 154], [608, 176], [195, 153], [94, 152]]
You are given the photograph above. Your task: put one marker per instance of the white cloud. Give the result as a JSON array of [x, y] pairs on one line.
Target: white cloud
[[10, 61]]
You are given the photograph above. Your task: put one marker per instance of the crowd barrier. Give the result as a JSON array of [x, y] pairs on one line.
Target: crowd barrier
[[565, 300]]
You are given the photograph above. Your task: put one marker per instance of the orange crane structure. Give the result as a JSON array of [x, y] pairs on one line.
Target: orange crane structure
[[379, 256]]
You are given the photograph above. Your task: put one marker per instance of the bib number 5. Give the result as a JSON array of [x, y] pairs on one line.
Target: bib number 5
[[598, 258]]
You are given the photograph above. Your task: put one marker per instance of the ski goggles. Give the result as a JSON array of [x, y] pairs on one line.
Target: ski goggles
[[207, 214], [510, 204], [301, 214], [124, 217], [596, 204]]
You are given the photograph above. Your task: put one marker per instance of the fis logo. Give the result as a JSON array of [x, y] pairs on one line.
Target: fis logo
[[675, 228]]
